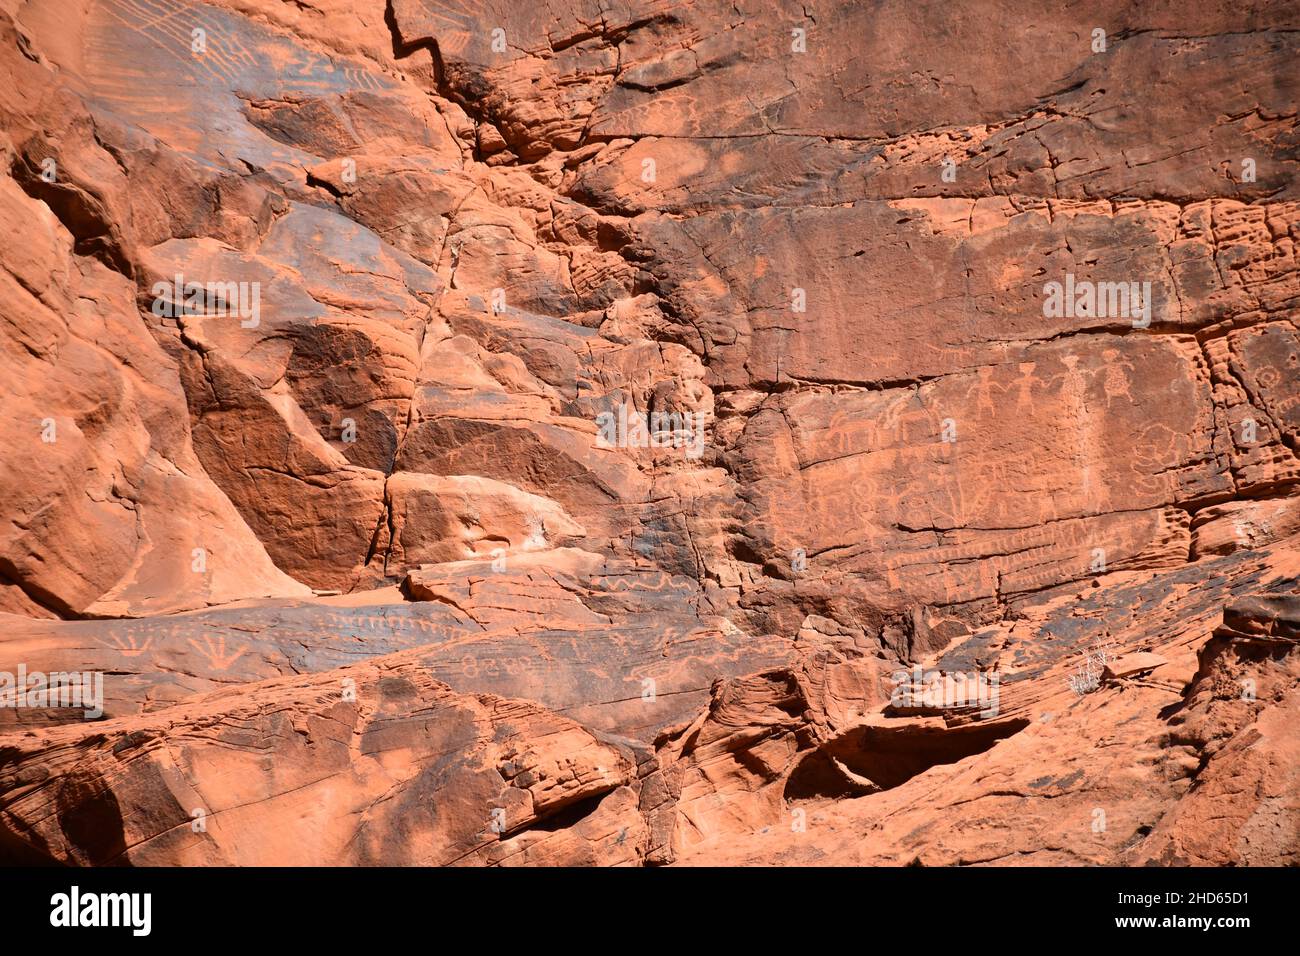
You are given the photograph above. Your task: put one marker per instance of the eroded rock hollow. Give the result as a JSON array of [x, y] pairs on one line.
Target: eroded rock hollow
[[643, 433]]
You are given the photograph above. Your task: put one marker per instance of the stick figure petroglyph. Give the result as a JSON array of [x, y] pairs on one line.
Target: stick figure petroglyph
[[1115, 382], [983, 390], [1024, 384]]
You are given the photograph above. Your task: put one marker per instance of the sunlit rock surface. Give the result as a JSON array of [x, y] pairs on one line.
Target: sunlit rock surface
[[649, 433]]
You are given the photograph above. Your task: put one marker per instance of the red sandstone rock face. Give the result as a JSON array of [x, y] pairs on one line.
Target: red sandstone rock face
[[650, 433]]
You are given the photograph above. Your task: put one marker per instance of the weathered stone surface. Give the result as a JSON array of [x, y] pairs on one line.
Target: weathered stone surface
[[1132, 664], [104, 498], [1155, 755], [660, 419], [625, 650], [293, 772]]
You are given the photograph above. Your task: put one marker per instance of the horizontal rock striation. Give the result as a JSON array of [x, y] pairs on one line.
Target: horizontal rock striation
[[575, 433]]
